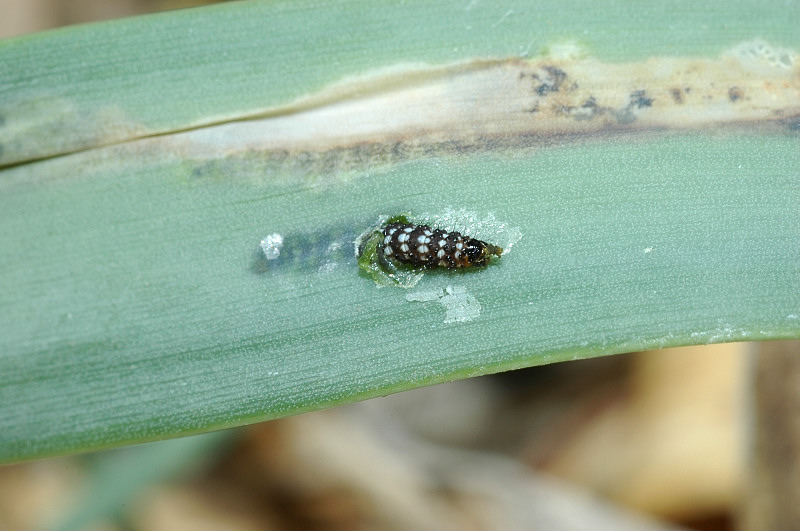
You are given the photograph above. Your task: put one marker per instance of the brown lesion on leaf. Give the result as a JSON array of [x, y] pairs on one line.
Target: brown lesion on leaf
[[505, 104]]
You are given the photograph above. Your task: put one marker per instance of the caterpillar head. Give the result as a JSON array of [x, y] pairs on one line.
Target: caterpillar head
[[479, 253]]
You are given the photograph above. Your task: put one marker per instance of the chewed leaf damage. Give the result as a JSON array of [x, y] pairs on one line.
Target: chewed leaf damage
[[322, 251]]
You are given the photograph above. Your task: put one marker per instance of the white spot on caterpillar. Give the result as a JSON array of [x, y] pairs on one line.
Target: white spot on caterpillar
[[440, 254], [421, 239], [422, 249], [404, 248], [442, 243], [408, 229]]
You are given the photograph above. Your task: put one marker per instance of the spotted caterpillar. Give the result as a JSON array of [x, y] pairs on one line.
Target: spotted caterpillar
[[424, 247]]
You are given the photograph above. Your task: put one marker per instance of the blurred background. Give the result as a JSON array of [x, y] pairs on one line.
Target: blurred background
[[653, 440], [657, 440], [27, 16]]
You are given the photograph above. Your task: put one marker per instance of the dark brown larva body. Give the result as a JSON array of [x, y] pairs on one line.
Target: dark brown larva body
[[422, 246]]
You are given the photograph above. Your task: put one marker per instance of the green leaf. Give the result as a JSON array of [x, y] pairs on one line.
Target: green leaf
[[137, 303]]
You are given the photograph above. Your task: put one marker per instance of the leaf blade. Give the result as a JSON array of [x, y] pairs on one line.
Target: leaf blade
[[179, 333]]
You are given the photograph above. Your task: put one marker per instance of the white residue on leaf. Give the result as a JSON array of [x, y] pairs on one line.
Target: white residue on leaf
[[460, 305], [425, 295], [271, 245], [759, 54]]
